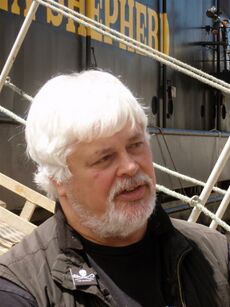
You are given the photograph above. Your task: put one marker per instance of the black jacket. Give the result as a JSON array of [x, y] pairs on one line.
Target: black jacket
[[51, 261]]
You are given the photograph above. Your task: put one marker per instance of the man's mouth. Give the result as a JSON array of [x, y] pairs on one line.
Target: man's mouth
[[132, 193]]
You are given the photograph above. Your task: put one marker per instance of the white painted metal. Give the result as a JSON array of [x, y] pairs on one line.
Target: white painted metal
[[18, 42], [222, 208], [223, 158]]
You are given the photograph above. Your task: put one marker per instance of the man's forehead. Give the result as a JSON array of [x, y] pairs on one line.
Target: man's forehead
[[127, 133], [127, 138], [105, 144]]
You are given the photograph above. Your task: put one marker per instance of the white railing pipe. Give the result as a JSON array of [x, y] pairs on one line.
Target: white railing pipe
[[223, 158], [221, 209], [18, 42]]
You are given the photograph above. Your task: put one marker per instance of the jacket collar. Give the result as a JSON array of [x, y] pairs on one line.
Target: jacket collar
[[67, 237], [160, 225], [71, 268], [73, 271]]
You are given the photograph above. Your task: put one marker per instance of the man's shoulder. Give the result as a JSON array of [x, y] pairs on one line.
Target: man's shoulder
[[197, 230], [210, 241], [214, 248], [38, 240]]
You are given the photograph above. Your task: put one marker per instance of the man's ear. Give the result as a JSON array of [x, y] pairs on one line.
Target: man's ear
[[60, 187]]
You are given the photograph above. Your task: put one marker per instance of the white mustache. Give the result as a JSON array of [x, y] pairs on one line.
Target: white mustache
[[129, 183]]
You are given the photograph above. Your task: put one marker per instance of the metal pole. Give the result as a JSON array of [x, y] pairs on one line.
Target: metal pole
[[222, 208], [89, 13], [18, 42], [164, 68], [223, 158], [218, 42]]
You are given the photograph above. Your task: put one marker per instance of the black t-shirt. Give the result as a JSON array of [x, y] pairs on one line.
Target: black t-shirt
[[135, 269]]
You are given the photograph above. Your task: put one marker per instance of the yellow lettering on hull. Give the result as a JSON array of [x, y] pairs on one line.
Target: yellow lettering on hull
[[4, 5], [15, 8], [141, 16], [93, 12], [130, 17], [165, 33], [54, 19], [126, 24], [111, 17], [78, 5], [153, 29]]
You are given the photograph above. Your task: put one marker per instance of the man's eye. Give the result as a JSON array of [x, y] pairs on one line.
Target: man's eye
[[103, 159], [137, 145]]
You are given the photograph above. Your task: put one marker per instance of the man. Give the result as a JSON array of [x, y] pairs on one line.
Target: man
[[108, 244]]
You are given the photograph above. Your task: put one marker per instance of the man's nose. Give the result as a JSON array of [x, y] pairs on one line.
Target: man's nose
[[128, 166]]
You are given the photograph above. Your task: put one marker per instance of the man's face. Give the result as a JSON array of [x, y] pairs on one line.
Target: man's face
[[112, 187]]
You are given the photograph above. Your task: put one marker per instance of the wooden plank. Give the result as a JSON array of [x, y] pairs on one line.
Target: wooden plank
[[31, 195], [16, 221], [3, 249], [5, 244], [2, 204], [9, 234], [27, 210]]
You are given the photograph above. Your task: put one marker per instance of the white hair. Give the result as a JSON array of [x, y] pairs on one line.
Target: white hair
[[79, 107]]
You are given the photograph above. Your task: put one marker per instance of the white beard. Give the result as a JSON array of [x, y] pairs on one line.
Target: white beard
[[123, 219]]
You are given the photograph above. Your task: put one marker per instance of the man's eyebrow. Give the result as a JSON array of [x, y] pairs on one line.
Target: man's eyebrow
[[103, 151], [108, 150], [137, 135]]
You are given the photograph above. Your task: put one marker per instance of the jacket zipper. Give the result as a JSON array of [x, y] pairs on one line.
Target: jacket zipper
[[178, 277]]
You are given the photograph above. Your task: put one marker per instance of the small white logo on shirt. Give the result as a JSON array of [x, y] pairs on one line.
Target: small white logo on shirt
[[82, 276]]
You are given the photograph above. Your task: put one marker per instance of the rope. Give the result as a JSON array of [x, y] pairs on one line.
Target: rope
[[155, 54], [186, 178], [12, 115], [20, 92], [17, 90], [152, 53], [194, 202]]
